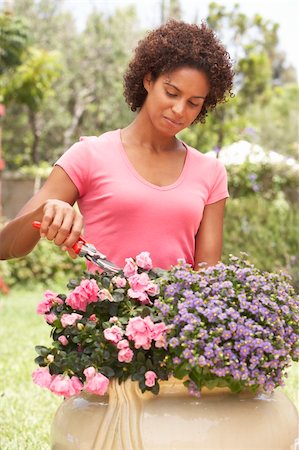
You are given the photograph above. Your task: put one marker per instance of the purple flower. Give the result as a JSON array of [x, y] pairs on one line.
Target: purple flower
[[173, 342]]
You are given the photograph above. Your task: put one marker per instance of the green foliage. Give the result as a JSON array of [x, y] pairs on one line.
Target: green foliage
[[88, 97], [13, 41], [269, 181], [32, 81], [276, 125], [47, 264], [222, 127], [266, 230], [259, 67]]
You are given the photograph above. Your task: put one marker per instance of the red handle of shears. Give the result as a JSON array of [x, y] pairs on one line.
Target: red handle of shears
[[77, 245]]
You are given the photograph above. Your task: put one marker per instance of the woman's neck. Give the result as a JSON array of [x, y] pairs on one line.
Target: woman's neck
[[142, 133]]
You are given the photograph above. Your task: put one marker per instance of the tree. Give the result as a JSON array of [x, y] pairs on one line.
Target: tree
[[30, 85], [13, 41], [276, 125], [259, 66], [87, 95]]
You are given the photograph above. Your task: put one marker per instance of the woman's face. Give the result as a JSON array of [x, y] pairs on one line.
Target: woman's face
[[175, 99]]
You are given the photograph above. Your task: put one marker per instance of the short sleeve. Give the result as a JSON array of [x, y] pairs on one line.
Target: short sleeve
[[76, 162], [219, 188]]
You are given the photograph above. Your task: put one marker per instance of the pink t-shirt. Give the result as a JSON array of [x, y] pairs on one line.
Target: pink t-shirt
[[124, 214]]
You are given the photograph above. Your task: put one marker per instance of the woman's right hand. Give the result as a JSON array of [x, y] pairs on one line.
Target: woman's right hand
[[61, 223]]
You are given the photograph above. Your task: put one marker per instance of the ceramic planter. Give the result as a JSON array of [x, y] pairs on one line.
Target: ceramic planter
[[126, 419]]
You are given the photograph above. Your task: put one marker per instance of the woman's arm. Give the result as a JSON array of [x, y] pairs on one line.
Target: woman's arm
[[53, 207], [208, 244]]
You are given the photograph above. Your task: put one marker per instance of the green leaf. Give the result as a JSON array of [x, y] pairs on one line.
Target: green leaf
[[235, 386], [136, 377], [142, 385], [155, 389], [107, 371], [140, 357], [145, 312], [149, 365], [113, 309], [72, 284], [211, 384], [41, 350], [142, 370], [40, 360], [117, 296], [181, 371], [105, 282]]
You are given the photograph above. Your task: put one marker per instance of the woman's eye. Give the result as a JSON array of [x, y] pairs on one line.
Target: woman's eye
[[170, 94], [193, 105]]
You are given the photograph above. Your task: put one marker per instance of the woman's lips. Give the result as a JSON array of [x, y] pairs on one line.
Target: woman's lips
[[172, 122]]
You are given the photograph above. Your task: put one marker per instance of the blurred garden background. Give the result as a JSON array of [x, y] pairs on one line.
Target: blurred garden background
[[60, 78]]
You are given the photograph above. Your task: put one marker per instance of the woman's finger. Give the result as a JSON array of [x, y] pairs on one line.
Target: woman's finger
[[55, 226], [48, 215], [75, 232], [65, 227]]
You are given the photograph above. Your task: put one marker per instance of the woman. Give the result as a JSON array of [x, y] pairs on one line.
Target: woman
[[140, 188]]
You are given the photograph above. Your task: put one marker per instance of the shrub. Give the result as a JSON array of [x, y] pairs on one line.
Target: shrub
[[267, 180], [266, 231], [46, 264]]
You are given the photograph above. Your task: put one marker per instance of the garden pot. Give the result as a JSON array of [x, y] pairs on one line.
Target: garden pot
[[126, 419]]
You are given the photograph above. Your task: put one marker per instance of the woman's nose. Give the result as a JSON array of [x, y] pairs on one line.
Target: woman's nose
[[178, 108]]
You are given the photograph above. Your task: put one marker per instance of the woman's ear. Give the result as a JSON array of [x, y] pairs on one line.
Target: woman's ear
[[147, 81]]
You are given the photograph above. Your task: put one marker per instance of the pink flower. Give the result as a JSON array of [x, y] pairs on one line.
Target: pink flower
[[50, 318], [113, 334], [125, 355], [144, 260], [96, 383], [89, 372], [139, 282], [140, 286], [130, 268], [123, 344], [150, 378], [65, 386], [46, 304], [158, 331], [113, 319], [104, 294], [119, 282], [42, 377], [161, 343], [140, 331], [63, 340], [83, 295], [69, 319], [93, 318], [152, 289], [141, 296]]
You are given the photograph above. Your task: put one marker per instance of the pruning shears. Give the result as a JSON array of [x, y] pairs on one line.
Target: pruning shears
[[89, 251]]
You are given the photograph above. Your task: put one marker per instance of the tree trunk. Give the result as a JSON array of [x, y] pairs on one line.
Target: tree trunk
[[35, 125], [85, 97]]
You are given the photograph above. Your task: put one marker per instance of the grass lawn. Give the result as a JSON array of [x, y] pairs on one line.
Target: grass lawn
[[26, 411]]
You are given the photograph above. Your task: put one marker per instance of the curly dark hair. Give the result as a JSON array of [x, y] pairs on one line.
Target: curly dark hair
[[178, 44]]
